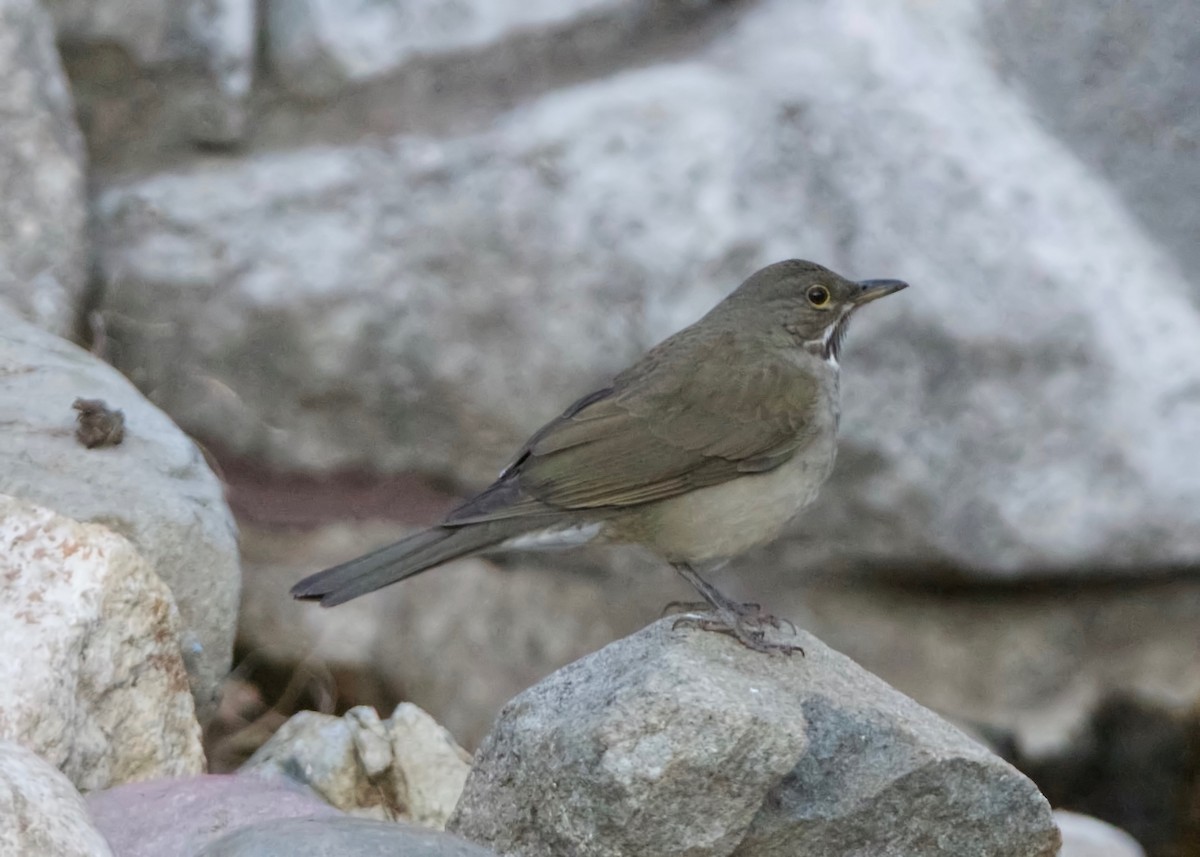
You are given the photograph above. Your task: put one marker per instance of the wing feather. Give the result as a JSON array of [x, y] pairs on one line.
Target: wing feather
[[674, 422]]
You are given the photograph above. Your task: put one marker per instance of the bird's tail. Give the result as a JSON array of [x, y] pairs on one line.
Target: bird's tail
[[395, 562]]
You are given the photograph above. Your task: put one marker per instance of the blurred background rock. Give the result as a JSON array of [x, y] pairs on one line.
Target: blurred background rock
[[361, 249]]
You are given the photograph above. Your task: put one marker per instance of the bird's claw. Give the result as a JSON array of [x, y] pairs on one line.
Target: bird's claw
[[747, 624]]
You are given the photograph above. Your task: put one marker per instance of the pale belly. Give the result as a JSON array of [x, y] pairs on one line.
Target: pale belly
[[724, 520]]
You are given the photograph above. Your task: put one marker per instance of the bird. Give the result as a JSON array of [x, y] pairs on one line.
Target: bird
[[707, 446]]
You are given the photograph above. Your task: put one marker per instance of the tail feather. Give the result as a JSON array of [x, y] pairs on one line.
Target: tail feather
[[395, 562]]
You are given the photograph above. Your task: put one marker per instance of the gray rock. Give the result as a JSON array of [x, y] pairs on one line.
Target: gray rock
[[425, 304], [404, 767], [99, 688], [1119, 82], [684, 742], [214, 39], [40, 811], [178, 817], [155, 488], [334, 837], [42, 208], [318, 47], [1084, 836]]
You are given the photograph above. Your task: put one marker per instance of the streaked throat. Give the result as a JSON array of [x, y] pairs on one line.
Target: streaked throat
[[829, 346], [835, 334]]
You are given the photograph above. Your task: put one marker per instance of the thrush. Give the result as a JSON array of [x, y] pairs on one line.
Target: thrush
[[705, 447]]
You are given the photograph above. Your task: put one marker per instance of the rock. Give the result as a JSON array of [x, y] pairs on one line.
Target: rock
[[43, 255], [1118, 83], [684, 742], [40, 811], [154, 488], [99, 689], [334, 837], [212, 39], [459, 642], [1084, 836], [318, 47], [1091, 691], [404, 767], [437, 299], [178, 817]]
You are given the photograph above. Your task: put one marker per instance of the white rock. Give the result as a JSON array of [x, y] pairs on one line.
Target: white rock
[[1084, 836], [405, 767], [43, 264], [40, 811], [1028, 407], [1115, 81], [99, 688], [155, 488]]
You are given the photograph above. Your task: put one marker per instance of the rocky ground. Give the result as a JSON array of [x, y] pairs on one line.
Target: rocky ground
[[332, 261]]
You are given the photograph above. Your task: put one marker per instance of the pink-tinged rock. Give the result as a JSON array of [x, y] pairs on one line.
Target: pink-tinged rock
[[178, 817]]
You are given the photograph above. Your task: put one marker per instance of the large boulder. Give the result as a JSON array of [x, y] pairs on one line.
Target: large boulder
[[40, 811], [43, 254], [1118, 82], [424, 304], [154, 488], [98, 687], [685, 742]]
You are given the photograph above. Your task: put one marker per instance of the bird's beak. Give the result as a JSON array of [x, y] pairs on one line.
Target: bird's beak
[[870, 290]]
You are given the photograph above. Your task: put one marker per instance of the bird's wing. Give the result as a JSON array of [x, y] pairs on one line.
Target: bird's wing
[[656, 434]]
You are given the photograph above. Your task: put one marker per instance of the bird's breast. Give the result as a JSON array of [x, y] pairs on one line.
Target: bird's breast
[[724, 520]]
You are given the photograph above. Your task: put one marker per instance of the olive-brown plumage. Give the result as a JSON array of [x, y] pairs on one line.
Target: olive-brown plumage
[[703, 448]]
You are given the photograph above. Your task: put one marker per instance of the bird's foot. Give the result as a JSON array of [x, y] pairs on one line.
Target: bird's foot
[[747, 623]]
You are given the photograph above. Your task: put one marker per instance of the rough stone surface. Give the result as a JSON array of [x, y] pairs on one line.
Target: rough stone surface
[[802, 755], [40, 811], [42, 209], [334, 837], [1084, 836], [213, 38], [425, 304], [178, 817], [155, 488], [318, 47], [99, 688], [404, 767], [1092, 691]]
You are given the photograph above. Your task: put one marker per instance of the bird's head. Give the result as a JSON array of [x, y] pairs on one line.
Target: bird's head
[[811, 303]]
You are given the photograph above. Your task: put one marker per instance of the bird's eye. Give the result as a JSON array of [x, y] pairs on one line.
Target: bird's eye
[[818, 296]]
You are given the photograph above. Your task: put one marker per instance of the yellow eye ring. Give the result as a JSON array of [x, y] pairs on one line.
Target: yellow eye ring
[[818, 296]]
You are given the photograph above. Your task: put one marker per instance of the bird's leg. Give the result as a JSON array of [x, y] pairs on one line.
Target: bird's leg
[[745, 622]]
